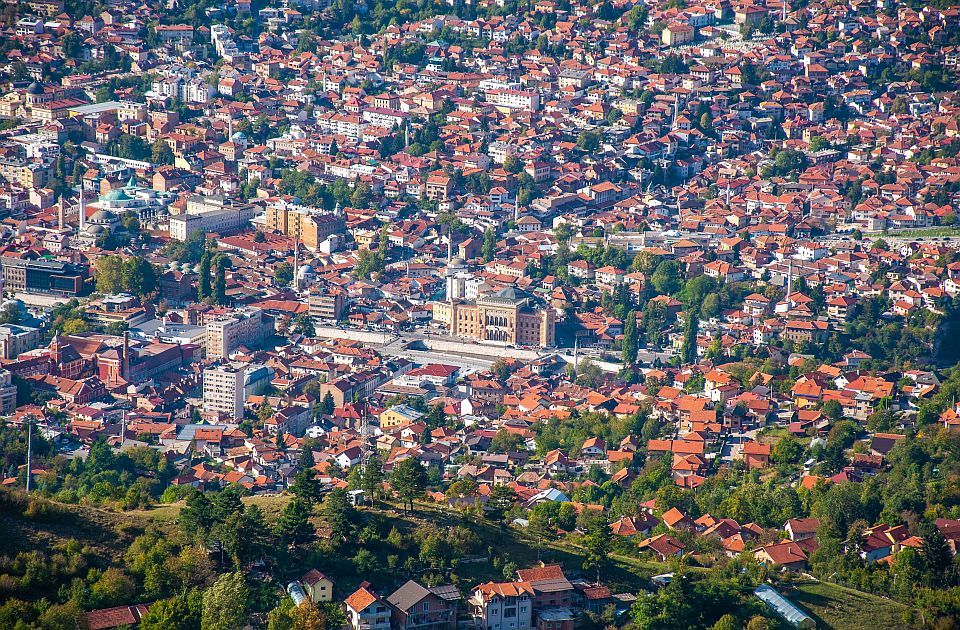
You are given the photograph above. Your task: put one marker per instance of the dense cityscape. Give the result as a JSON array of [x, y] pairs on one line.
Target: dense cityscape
[[479, 315]]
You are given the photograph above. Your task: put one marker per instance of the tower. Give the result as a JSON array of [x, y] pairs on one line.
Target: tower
[[83, 210]]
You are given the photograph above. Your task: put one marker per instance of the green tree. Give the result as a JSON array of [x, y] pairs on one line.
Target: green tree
[[293, 525], [666, 278], [489, 248], [220, 281], [340, 515], [372, 476], [203, 286], [176, 613], [109, 274], [161, 153], [631, 339], [224, 603], [283, 274], [596, 543], [409, 480]]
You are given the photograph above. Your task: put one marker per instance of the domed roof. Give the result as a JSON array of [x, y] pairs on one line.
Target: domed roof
[[457, 261], [102, 216], [304, 269], [94, 229], [117, 195], [35, 88]]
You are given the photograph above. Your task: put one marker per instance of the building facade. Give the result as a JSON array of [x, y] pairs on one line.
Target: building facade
[[502, 316], [244, 327]]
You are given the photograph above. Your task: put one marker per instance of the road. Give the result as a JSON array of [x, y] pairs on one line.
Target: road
[[467, 354]]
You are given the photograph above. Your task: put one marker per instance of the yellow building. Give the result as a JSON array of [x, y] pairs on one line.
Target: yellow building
[[398, 416], [311, 226], [502, 316]]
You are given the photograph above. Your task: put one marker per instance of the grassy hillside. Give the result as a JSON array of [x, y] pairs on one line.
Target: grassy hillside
[[834, 606]]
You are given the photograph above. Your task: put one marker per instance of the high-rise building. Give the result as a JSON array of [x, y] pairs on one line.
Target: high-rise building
[[242, 327], [227, 386]]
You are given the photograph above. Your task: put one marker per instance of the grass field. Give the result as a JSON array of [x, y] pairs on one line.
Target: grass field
[[835, 606]]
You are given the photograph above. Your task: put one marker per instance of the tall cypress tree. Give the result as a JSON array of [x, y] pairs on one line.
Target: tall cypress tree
[[203, 289]]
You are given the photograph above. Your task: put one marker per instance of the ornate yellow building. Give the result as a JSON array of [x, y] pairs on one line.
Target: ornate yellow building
[[502, 316]]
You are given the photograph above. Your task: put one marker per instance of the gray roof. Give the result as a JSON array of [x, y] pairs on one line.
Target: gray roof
[[408, 595]]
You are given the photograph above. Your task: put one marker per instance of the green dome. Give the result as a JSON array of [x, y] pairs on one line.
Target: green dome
[[117, 195]]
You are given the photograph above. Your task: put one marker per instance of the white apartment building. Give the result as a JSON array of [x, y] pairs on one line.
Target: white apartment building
[[244, 327], [226, 387], [514, 99], [211, 214]]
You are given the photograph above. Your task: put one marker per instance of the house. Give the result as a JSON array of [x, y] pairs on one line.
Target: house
[[675, 519], [551, 588], [756, 455], [788, 555], [318, 587], [366, 610], [503, 606], [663, 547], [418, 607], [630, 526], [801, 528]]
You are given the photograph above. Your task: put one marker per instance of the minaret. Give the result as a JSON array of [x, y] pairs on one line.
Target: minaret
[[728, 192], [676, 108], [790, 283], [449, 247], [296, 262], [83, 210], [61, 211]]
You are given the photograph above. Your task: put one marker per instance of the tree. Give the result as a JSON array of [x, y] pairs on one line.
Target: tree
[[293, 526], [787, 451], [502, 500], [937, 559], [372, 476], [409, 480], [596, 542], [309, 616], [666, 278], [327, 405], [182, 612], [283, 274], [306, 486], [161, 153], [220, 282], [489, 248], [109, 274], [203, 285], [224, 603], [505, 442], [138, 276], [339, 514], [631, 339], [688, 350], [588, 140], [303, 324], [512, 165], [833, 409]]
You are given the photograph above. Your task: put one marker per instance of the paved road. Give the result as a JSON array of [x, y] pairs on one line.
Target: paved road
[[467, 354]]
